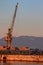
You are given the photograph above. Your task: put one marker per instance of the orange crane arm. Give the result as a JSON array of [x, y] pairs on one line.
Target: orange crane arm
[[12, 25]]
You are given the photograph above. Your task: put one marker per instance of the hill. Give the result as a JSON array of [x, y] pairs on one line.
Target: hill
[[28, 41]]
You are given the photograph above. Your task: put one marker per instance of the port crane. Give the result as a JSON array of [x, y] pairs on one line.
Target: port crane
[[8, 38]]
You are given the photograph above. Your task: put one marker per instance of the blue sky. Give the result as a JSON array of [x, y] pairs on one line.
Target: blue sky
[[29, 18]]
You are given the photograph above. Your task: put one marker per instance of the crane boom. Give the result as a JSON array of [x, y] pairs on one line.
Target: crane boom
[[12, 25]]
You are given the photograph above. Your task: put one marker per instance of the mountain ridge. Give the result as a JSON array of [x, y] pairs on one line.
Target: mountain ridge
[[29, 41]]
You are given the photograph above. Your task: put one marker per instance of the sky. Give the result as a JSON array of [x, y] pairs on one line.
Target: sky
[[29, 17]]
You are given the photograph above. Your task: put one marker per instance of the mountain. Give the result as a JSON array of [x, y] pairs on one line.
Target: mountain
[[28, 41]]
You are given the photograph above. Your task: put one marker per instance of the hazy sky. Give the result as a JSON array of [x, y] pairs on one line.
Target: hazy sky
[[29, 18]]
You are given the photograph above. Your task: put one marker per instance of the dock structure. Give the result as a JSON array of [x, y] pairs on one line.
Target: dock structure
[[32, 58], [18, 54]]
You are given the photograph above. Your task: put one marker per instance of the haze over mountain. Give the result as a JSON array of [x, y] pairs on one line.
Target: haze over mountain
[[28, 41]]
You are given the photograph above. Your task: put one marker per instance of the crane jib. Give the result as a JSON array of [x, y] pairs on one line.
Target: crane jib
[[12, 25]]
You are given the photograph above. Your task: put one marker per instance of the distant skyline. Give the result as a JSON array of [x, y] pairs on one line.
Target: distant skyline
[[29, 18]]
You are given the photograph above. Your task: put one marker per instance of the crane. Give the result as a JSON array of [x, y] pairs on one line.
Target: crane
[[9, 34]]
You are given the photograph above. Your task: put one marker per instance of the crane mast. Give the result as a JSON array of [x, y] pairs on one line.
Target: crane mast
[[9, 34]]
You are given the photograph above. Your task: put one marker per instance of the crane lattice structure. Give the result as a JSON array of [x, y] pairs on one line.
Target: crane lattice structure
[[9, 34]]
